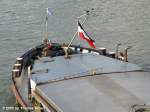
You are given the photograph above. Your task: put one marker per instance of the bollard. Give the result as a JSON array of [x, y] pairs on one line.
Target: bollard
[[19, 60], [15, 73], [112, 54], [102, 51], [17, 66]]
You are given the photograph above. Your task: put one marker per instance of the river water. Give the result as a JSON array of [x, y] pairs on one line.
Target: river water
[[22, 26]]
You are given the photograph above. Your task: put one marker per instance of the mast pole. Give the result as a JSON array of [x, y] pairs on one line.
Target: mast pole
[[46, 25], [45, 40]]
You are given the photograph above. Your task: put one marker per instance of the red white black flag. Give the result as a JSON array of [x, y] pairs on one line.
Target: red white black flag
[[83, 35]]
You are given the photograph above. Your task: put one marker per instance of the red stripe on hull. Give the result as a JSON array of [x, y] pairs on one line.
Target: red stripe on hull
[[17, 96]]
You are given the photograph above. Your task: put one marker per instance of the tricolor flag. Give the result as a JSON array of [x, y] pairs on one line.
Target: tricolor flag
[[83, 35]]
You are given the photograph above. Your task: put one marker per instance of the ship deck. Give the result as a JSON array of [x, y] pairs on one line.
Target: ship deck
[[90, 82], [48, 68]]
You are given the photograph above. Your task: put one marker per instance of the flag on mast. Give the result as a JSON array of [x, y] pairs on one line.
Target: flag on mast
[[83, 35], [49, 12]]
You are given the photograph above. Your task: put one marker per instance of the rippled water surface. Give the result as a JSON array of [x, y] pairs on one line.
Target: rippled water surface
[[22, 26]]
